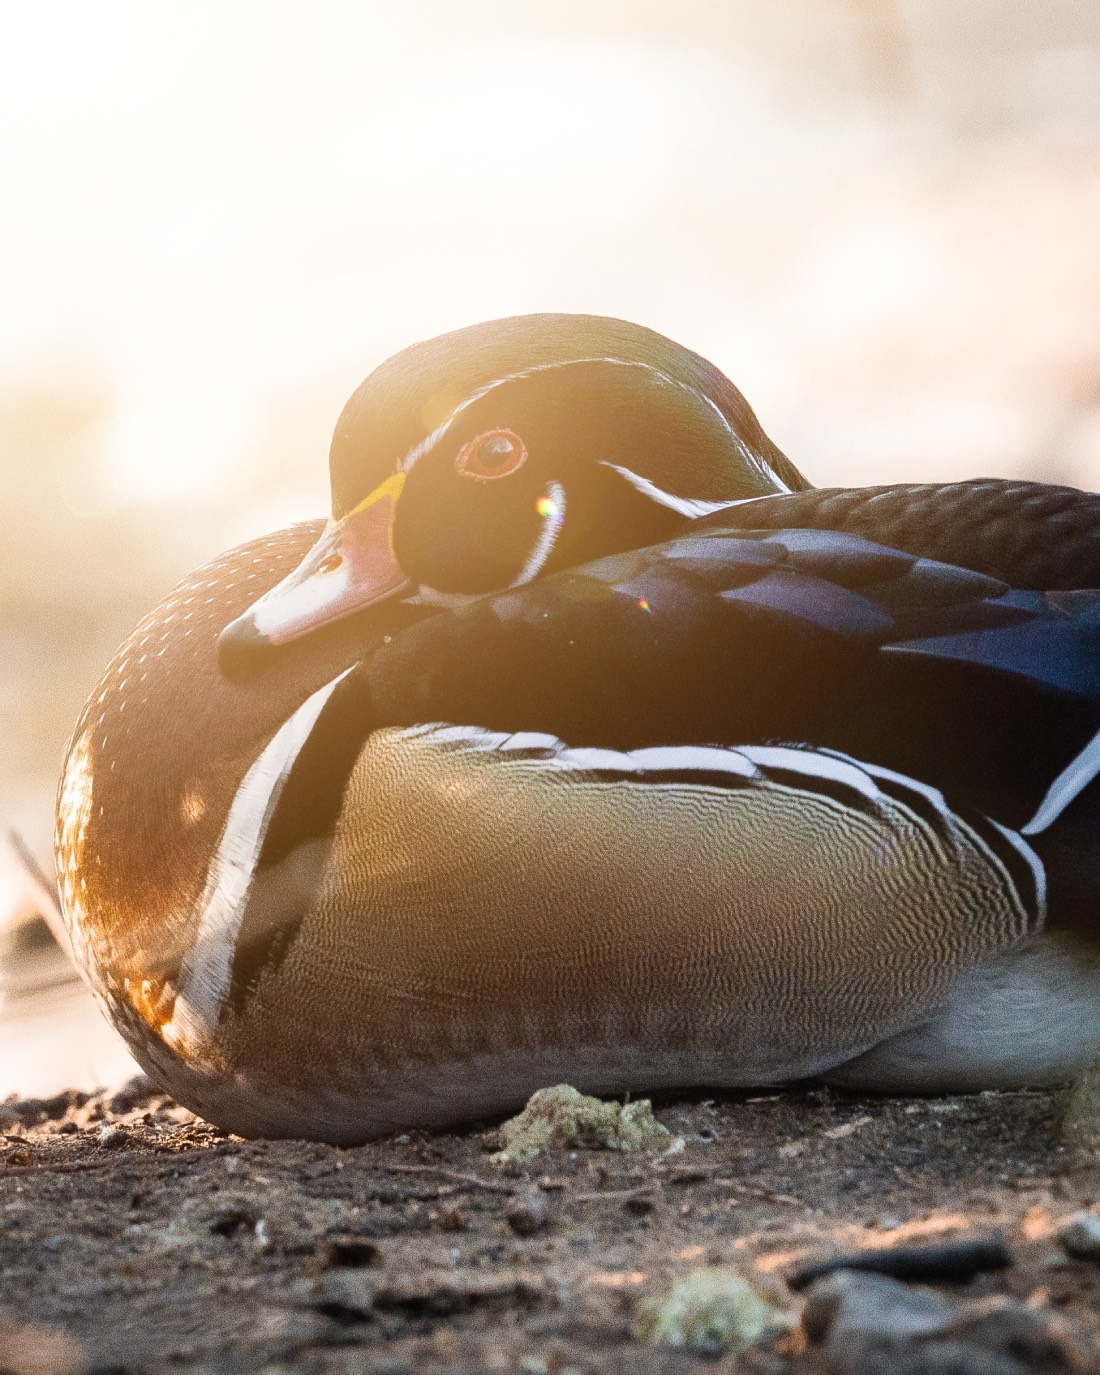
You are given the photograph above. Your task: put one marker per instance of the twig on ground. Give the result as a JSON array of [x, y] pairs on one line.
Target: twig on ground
[[472, 1181], [768, 1195]]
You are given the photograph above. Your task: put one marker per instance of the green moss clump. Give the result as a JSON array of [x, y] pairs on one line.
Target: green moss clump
[[561, 1118], [707, 1312]]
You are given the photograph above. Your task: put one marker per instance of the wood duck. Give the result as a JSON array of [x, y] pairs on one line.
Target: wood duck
[[587, 742]]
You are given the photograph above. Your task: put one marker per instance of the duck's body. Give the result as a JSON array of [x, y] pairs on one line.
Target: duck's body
[[666, 792]]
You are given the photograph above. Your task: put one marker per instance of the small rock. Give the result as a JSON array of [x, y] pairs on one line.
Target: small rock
[[561, 1118], [854, 1304], [113, 1138], [1011, 1336], [710, 1311], [1080, 1236], [871, 1323], [529, 1212]]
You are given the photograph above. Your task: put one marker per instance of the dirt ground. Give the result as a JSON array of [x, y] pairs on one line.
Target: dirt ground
[[137, 1238]]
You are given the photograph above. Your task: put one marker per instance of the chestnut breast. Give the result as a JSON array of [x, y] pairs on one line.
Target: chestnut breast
[[157, 757]]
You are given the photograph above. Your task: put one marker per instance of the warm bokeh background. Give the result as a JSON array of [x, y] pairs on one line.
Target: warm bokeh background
[[880, 217]]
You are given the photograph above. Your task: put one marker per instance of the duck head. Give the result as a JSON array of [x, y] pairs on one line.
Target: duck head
[[483, 458]]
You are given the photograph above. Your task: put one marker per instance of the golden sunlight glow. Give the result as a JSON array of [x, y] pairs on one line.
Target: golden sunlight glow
[[880, 220], [192, 806], [229, 221], [217, 261], [74, 811]]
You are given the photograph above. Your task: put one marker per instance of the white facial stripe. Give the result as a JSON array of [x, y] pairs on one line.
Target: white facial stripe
[[692, 507], [1072, 781], [428, 443], [417, 452], [205, 975], [549, 530], [548, 534]]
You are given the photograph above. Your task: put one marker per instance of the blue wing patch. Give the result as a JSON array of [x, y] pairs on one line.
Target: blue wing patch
[[1048, 649], [822, 603]]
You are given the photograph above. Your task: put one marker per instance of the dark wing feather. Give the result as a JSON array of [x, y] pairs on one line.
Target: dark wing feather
[[811, 636], [1030, 534]]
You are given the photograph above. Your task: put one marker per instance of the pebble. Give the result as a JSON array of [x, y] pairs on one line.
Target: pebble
[[868, 1322], [851, 1304], [1080, 1236]]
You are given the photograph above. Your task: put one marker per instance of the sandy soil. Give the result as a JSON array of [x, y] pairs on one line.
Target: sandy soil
[[136, 1238]]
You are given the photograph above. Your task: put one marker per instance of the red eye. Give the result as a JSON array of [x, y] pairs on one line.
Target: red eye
[[495, 453]]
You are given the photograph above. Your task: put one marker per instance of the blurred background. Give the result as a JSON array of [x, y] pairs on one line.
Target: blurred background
[[880, 217]]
